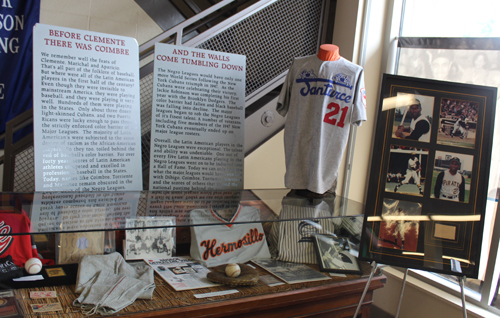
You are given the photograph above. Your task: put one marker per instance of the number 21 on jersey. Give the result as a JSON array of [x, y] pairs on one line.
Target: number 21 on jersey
[[334, 111]]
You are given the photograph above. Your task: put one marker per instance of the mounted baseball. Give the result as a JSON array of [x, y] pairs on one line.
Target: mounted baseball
[[233, 270], [33, 266]]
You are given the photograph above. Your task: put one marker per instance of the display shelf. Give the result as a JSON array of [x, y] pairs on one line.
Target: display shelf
[[72, 212], [336, 297], [110, 222]]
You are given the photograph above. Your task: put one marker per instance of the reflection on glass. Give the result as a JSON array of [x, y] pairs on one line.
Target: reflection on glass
[[75, 211]]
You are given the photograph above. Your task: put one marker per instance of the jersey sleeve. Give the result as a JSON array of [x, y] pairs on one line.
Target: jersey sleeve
[[422, 127], [439, 183], [359, 104], [461, 193], [284, 98]]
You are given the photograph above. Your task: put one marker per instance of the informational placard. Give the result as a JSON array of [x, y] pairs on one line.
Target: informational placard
[[86, 111], [198, 115], [69, 211]]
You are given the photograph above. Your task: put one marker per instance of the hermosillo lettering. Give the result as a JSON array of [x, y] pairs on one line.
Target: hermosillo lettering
[[212, 250]]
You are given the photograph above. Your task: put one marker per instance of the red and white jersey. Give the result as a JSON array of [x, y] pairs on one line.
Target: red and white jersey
[[18, 246], [225, 242]]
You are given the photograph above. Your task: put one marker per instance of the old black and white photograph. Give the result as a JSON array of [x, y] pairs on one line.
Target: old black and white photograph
[[290, 272], [334, 256], [150, 238]]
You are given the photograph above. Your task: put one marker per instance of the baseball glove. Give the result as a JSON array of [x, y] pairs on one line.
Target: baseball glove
[[248, 276]]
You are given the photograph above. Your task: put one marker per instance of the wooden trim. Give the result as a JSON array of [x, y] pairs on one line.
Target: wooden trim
[[332, 300]]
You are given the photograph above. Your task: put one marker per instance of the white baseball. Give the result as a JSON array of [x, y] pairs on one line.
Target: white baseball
[[233, 270], [33, 266]]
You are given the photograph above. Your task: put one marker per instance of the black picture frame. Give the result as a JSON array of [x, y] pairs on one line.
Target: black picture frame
[[426, 198], [334, 257]]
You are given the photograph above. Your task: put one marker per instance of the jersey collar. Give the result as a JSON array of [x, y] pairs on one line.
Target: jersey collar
[[221, 219]]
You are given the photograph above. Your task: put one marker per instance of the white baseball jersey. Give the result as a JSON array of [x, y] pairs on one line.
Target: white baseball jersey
[[459, 126], [411, 172], [225, 242], [412, 164], [413, 124], [321, 99], [450, 187]]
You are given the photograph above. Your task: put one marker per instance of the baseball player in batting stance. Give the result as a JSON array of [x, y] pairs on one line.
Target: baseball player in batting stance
[[419, 126], [450, 184], [412, 172], [461, 127]]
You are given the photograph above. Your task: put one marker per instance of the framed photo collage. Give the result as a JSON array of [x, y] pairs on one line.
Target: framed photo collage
[[429, 175]]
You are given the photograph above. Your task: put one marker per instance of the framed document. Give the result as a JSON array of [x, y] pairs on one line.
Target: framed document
[[73, 246], [429, 176]]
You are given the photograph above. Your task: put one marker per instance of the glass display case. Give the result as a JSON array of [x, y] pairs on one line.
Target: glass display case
[[66, 226]]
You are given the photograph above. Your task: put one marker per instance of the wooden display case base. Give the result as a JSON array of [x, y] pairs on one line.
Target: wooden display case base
[[337, 297]]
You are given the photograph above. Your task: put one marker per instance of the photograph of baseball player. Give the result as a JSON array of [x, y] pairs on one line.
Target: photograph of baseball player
[[451, 176], [334, 256], [406, 172], [413, 119], [457, 123], [400, 227]]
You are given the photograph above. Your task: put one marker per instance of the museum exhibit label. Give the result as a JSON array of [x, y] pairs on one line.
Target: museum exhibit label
[[87, 128], [71, 211], [198, 115]]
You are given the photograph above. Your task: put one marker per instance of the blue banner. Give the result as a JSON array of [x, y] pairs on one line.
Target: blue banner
[[17, 18]]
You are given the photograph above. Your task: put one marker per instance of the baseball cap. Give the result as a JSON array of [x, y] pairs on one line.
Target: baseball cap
[[455, 159], [414, 101]]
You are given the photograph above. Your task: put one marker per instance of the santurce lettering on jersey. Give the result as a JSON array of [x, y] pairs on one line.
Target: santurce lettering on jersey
[[212, 250], [307, 77]]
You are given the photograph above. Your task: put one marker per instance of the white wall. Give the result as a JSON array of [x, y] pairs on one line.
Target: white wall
[[265, 167], [120, 17]]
